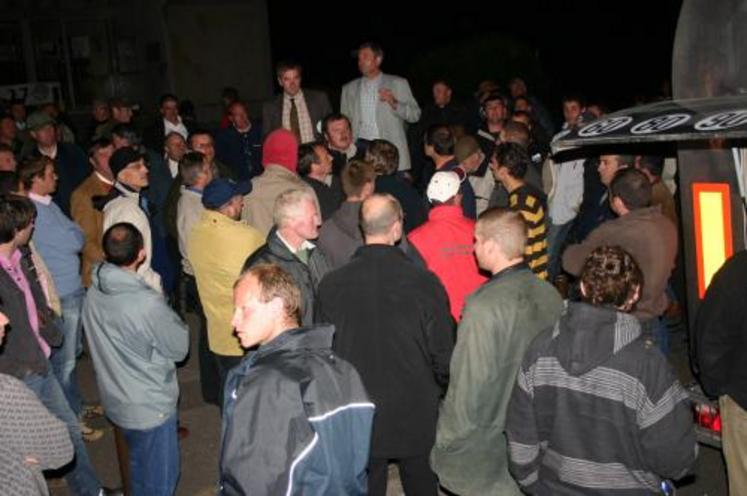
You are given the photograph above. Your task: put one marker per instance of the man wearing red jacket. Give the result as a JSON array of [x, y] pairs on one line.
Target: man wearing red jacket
[[446, 241]]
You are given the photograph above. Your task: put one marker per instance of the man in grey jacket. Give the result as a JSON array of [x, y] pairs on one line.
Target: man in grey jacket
[[134, 339], [378, 105]]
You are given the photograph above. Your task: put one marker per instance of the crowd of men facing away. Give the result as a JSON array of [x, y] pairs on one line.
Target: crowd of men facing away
[[367, 292]]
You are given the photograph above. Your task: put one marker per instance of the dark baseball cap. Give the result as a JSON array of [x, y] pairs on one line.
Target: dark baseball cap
[[122, 158], [220, 191]]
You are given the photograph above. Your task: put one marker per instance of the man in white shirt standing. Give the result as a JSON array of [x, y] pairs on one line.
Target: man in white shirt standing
[[565, 190], [378, 105]]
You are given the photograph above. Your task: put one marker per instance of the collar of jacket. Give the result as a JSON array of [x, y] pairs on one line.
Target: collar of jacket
[[644, 212], [487, 135], [446, 212], [509, 270], [316, 337], [378, 250], [126, 190], [279, 170], [279, 249], [218, 218]]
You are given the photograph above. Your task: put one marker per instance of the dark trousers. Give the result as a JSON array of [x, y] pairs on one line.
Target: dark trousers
[[415, 473], [209, 378], [225, 364]]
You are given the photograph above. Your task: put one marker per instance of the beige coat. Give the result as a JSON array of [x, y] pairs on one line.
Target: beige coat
[[260, 203], [91, 222]]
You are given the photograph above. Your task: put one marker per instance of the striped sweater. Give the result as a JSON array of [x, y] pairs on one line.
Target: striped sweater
[[530, 203], [597, 410]]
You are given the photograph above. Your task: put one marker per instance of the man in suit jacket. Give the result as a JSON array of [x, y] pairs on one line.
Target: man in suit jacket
[[299, 111], [379, 104]]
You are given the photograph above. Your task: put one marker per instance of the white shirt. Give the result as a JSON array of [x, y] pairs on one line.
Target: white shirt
[[567, 191], [44, 200], [52, 154], [173, 167], [369, 130], [179, 127], [306, 245], [305, 126]]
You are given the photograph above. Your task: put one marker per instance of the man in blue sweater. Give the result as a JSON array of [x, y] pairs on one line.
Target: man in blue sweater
[[59, 241]]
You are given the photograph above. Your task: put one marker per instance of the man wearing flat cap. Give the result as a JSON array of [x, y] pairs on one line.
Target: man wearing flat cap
[[70, 162], [216, 248], [127, 204]]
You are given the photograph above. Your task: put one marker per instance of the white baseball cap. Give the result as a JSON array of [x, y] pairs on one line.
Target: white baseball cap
[[443, 186]]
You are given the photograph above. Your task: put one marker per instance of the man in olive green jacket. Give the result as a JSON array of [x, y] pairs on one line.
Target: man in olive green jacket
[[500, 320]]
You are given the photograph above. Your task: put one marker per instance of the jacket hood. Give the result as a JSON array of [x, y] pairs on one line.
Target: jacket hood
[[588, 336], [110, 279], [280, 148]]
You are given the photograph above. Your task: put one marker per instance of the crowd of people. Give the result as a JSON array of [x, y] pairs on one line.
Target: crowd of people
[[379, 284]]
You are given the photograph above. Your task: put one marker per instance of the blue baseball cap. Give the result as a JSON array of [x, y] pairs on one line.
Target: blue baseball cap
[[220, 191]]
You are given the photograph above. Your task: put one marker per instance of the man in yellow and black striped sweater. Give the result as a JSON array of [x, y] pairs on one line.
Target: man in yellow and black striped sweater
[[509, 165]]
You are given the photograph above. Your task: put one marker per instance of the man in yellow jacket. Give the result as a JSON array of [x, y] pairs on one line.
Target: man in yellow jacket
[[217, 247]]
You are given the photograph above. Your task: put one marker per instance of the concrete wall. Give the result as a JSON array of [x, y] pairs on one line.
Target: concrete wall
[[217, 44], [141, 49]]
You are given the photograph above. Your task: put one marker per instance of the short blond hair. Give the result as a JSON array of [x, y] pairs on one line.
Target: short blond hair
[[276, 282], [506, 228]]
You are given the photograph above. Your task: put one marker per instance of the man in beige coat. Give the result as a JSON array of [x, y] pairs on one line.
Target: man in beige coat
[[279, 158]]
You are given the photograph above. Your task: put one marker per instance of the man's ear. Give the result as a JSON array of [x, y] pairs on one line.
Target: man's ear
[[141, 256]]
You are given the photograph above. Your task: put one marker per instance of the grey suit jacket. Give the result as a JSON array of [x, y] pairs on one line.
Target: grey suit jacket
[[391, 123], [317, 104]]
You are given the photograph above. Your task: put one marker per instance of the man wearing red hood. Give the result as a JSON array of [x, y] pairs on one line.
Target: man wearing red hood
[[279, 159]]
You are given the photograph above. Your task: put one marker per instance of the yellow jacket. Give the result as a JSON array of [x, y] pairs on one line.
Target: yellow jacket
[[217, 248]]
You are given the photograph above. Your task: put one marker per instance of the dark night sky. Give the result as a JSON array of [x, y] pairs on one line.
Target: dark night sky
[[611, 51]]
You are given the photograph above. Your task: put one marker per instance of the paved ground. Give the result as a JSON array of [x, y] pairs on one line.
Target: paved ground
[[200, 450]]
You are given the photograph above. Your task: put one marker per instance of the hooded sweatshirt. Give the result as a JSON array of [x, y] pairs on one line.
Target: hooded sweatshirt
[[597, 409], [135, 338]]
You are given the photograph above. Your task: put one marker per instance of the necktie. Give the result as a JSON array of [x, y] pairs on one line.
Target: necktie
[[295, 126]]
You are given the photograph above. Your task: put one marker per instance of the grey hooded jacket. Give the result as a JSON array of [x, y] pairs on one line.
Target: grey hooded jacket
[[134, 339], [597, 410]]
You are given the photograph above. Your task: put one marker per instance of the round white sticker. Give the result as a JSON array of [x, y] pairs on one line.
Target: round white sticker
[[660, 123], [605, 126], [722, 120]]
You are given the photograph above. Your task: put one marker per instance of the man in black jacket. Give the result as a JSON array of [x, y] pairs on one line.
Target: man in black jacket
[[297, 420], [315, 167], [720, 347], [393, 324], [297, 220]]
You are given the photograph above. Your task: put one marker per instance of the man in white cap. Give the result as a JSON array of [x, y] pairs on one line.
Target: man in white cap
[[446, 240]]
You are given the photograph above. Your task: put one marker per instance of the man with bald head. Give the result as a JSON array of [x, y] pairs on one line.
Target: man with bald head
[[393, 324]]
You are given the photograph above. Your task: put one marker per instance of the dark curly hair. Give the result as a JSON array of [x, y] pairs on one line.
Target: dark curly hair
[[611, 277]]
